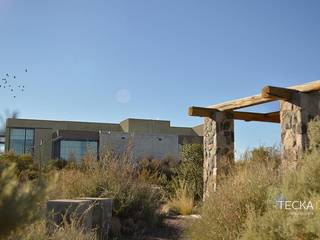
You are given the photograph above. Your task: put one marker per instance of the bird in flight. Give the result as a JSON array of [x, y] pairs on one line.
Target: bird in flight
[[13, 84]]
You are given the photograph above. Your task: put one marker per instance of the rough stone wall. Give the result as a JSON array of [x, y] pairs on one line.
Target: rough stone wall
[[294, 118], [218, 145]]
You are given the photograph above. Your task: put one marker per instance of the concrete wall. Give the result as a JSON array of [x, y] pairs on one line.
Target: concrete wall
[[141, 145], [42, 145]]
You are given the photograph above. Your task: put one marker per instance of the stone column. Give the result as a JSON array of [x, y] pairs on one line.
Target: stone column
[[218, 145], [294, 117]]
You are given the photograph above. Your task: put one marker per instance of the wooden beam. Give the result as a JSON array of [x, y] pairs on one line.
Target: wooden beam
[[261, 117], [259, 99], [241, 103], [246, 116], [201, 111], [278, 93]]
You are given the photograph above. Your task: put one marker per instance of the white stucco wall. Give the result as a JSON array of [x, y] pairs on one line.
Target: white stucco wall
[[156, 145]]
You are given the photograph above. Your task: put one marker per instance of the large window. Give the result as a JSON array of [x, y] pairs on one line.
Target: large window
[[2, 140], [77, 149], [21, 140]]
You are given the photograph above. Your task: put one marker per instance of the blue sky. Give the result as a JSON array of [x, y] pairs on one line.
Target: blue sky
[[110, 60]]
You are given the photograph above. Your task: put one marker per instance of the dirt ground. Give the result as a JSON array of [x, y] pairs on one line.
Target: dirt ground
[[174, 228]]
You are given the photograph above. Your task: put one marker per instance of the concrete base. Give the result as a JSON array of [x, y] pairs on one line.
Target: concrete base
[[101, 216], [63, 211]]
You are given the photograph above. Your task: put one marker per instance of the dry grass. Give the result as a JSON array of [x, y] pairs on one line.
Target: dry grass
[[244, 206], [224, 212], [182, 202], [135, 199]]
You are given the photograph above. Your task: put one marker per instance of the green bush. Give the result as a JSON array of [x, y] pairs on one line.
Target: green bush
[[190, 169], [19, 201], [26, 168]]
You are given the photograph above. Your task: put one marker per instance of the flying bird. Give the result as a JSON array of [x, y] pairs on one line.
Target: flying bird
[[12, 86]]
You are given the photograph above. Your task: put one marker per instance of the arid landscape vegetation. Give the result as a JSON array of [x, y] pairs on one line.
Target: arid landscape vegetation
[[150, 195]]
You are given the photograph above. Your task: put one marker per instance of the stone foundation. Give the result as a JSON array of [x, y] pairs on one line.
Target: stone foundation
[[218, 145]]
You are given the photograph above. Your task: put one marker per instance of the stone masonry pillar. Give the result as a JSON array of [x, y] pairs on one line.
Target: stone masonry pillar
[[218, 145], [294, 117]]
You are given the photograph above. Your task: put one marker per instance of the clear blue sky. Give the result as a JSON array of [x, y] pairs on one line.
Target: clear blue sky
[[110, 60]]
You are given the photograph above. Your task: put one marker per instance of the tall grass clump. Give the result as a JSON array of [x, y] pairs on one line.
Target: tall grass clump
[[182, 201], [224, 213], [187, 184]]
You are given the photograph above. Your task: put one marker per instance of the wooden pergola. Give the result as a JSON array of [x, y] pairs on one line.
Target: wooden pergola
[[268, 94], [298, 105]]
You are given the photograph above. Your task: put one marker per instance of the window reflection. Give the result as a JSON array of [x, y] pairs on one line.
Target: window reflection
[[21, 140], [77, 149]]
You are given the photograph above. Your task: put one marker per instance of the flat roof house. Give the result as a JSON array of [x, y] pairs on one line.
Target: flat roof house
[[46, 139]]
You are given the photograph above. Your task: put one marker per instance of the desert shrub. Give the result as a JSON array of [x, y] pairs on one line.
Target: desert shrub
[[135, 199], [162, 170], [224, 213], [20, 202], [38, 231], [190, 170], [299, 185], [26, 168], [56, 164]]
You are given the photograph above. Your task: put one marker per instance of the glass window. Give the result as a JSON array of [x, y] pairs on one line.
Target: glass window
[[21, 140], [2, 142], [1, 147], [77, 149]]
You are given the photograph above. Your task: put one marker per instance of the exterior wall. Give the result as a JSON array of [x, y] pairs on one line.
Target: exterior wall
[[62, 125], [42, 145], [294, 118], [141, 145], [145, 126], [218, 145], [144, 134]]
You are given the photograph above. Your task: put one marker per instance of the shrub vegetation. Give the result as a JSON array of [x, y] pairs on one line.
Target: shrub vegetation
[[245, 205]]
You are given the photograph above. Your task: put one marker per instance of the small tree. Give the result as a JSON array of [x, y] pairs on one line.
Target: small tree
[[190, 169]]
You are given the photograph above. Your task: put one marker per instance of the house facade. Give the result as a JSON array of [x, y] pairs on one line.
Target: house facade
[[47, 139]]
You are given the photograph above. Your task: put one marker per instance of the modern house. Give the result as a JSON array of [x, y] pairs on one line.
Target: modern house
[[46, 139]]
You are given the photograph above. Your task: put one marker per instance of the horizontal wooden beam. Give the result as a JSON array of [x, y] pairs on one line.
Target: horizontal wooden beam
[[246, 116], [241, 103], [278, 93], [259, 99], [201, 111], [260, 117]]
